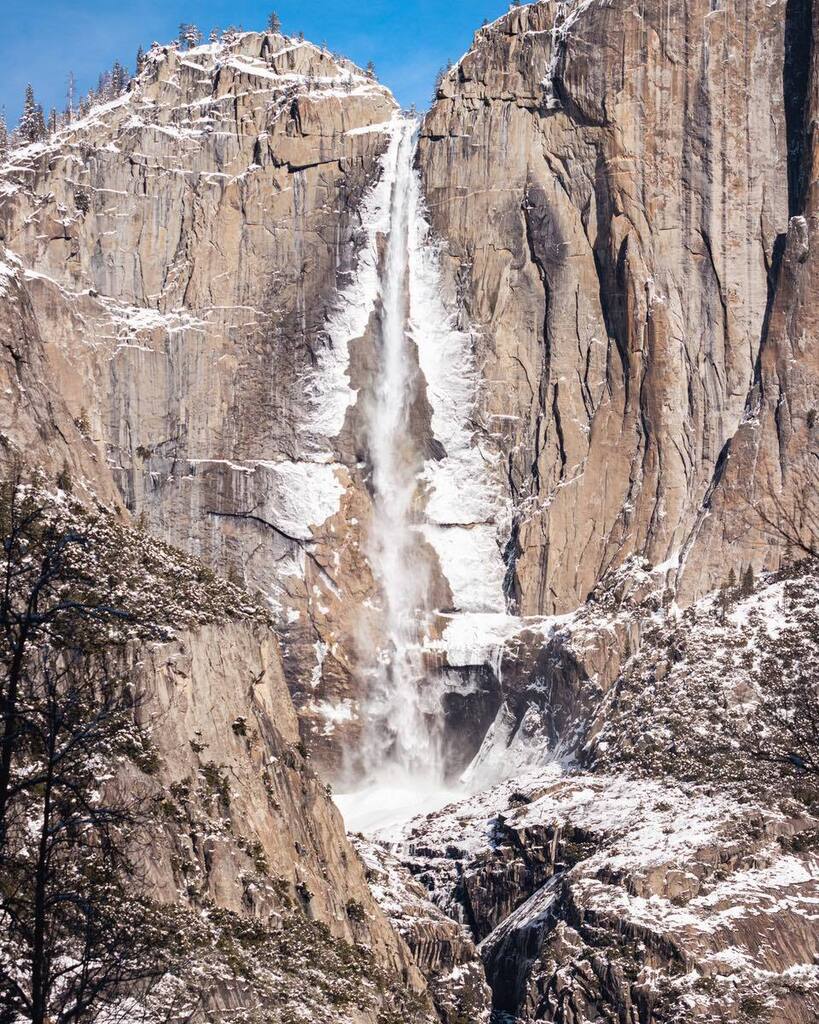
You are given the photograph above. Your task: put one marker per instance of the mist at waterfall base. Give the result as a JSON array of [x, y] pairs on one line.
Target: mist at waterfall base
[[401, 756]]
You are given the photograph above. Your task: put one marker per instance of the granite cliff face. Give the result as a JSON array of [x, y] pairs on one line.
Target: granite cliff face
[[199, 268], [166, 266], [766, 489], [181, 250], [589, 273], [610, 179]]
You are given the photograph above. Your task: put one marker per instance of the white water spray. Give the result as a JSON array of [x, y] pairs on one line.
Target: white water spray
[[402, 759], [401, 755], [401, 733]]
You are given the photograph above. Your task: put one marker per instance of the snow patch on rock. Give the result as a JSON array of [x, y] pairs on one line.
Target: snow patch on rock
[[328, 387]]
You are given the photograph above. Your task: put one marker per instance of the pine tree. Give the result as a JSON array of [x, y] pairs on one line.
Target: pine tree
[[52, 121], [4, 134], [726, 596], [32, 125], [119, 79], [723, 603], [370, 69], [70, 97], [189, 36], [274, 23], [104, 90], [140, 60], [747, 582], [40, 122]]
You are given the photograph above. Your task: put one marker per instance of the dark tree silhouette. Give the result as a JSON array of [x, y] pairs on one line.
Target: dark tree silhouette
[[77, 936]]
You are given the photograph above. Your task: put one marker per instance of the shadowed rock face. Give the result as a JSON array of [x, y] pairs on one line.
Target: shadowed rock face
[[611, 180]]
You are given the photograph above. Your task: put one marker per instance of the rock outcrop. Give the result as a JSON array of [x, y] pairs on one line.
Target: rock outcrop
[[174, 259], [610, 182], [443, 950], [252, 831], [612, 898]]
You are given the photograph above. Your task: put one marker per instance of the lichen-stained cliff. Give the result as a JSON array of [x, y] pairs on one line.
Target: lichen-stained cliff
[[611, 181]]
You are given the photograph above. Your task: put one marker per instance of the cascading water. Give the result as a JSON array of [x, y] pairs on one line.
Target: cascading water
[[401, 761], [401, 757], [400, 731]]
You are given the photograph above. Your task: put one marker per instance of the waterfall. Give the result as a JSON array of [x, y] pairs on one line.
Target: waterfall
[[443, 508], [400, 732], [400, 757]]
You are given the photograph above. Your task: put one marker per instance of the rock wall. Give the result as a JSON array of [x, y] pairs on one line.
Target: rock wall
[[194, 263], [608, 898], [609, 179], [250, 829], [176, 257], [765, 495], [227, 736]]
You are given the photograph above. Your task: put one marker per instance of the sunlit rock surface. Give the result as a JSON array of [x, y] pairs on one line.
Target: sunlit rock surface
[[611, 180], [597, 267]]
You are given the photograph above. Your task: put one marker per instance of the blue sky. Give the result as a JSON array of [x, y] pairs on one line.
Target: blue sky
[[42, 40]]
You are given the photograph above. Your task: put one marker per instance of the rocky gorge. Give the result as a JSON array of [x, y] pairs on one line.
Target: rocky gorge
[[465, 465]]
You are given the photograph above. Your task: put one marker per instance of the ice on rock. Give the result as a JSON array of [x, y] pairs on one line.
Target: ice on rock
[[464, 515], [329, 387]]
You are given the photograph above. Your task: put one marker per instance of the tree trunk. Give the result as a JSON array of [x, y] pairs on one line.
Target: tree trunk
[[39, 971], [9, 726]]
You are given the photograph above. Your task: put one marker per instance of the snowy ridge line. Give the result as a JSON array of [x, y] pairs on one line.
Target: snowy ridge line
[[568, 10], [222, 54]]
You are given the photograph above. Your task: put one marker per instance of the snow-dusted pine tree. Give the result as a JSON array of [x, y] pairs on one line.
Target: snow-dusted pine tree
[[4, 134], [32, 123], [189, 36], [119, 79], [70, 97]]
